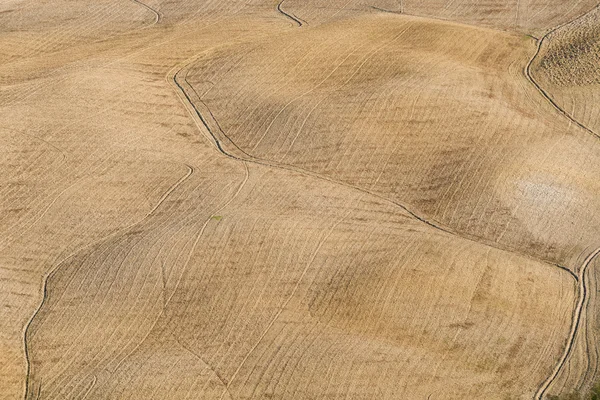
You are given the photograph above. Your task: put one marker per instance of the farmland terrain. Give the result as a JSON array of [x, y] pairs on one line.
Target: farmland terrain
[[299, 199]]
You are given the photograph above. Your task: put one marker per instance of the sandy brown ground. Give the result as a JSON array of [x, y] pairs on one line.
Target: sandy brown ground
[[298, 200], [567, 71]]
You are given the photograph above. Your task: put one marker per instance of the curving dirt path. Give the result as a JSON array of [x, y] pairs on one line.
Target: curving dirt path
[[180, 81], [209, 127], [541, 90], [157, 14], [582, 287], [296, 20], [206, 118], [207, 122], [162, 199], [577, 317]]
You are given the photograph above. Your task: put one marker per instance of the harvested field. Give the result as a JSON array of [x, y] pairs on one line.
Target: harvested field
[[363, 199]]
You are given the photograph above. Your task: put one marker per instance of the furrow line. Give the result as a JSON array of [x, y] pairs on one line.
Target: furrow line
[[296, 20], [157, 14], [541, 90], [197, 115], [577, 317], [57, 267]]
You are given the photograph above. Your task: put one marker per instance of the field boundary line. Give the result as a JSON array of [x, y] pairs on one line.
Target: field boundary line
[[291, 16], [213, 138], [53, 271], [576, 323], [157, 14], [541, 90]]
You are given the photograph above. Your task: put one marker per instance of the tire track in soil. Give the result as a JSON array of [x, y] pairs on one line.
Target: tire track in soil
[[157, 14], [577, 317], [582, 287], [191, 170], [579, 278], [53, 271], [205, 124], [296, 20], [541, 90]]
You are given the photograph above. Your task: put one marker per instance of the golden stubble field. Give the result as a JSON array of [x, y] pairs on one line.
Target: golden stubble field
[[254, 199]]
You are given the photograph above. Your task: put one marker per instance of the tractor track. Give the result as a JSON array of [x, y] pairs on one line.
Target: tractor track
[[204, 118], [296, 20], [201, 117], [581, 275], [541, 90], [54, 270], [157, 14], [201, 112], [577, 317]]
